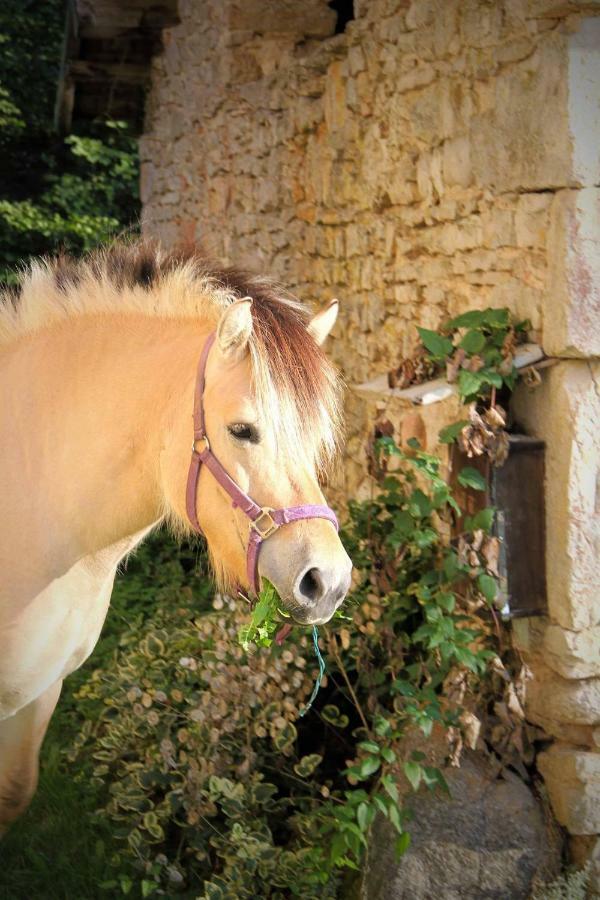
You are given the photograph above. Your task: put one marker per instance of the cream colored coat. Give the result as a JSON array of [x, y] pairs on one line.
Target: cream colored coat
[[95, 412]]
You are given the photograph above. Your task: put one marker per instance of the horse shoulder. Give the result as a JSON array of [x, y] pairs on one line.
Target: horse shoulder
[[57, 631]]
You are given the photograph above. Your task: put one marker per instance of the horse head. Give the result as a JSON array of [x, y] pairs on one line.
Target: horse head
[[271, 412]]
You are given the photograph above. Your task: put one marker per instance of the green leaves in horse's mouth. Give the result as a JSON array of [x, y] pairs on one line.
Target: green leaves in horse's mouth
[[263, 620]]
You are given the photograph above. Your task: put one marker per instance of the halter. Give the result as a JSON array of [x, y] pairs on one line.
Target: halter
[[264, 521]]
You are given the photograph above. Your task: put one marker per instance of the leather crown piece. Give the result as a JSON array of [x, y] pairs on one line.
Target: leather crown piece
[[264, 521]]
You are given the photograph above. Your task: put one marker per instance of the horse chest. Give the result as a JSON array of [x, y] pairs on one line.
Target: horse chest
[[56, 632]]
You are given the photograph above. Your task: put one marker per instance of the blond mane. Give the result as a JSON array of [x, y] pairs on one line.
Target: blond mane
[[294, 383]]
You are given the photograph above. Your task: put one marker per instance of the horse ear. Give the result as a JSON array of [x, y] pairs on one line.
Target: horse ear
[[321, 324], [235, 327]]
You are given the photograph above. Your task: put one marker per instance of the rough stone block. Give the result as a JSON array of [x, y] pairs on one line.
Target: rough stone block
[[310, 19], [584, 100], [457, 169], [490, 839], [552, 701], [572, 777], [520, 139], [571, 654], [572, 320]]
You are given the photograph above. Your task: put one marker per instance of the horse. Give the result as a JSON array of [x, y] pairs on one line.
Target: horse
[[98, 368]]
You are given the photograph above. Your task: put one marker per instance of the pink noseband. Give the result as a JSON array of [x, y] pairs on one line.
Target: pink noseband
[[264, 521]]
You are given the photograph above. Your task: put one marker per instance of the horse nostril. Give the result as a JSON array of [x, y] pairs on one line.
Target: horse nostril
[[311, 585]]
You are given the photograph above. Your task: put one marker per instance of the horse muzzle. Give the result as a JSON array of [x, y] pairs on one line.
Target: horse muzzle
[[318, 591]]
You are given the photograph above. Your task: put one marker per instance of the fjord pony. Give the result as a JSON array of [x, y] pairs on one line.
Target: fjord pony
[[97, 367]]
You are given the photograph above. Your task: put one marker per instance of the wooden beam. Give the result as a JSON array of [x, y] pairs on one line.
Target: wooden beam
[[86, 70]]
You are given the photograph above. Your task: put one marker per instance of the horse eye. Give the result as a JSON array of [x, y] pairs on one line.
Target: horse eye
[[244, 432]]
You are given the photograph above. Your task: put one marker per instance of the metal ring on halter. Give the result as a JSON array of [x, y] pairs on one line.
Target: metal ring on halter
[[206, 444], [271, 524]]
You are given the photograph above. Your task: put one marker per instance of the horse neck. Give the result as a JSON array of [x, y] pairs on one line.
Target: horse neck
[[108, 396]]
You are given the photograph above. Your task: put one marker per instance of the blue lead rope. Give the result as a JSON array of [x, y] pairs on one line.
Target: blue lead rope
[[321, 662]]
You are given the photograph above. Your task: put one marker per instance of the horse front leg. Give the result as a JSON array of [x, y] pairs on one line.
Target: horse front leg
[[21, 737]]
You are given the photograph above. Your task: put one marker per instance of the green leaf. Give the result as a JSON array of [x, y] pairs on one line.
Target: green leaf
[[394, 814], [382, 726], [470, 477], [369, 746], [413, 772], [363, 816], [402, 844], [419, 504], [467, 320], [487, 586], [447, 601], [330, 713], [524, 325], [403, 687], [262, 623], [438, 345], [488, 376], [469, 383], [368, 766], [473, 341], [307, 765], [451, 432], [426, 537], [388, 755], [483, 519], [497, 318], [381, 805], [403, 523], [390, 787]]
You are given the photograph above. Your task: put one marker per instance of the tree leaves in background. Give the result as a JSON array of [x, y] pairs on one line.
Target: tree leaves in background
[[55, 193]]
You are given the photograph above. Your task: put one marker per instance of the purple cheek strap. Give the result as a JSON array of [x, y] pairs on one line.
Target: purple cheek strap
[[264, 521]]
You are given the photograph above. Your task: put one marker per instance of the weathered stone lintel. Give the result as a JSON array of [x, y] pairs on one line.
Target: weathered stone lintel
[[438, 389]]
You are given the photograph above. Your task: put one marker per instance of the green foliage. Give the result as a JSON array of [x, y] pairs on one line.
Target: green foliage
[[182, 732], [77, 208], [212, 784], [471, 478], [439, 347], [263, 620], [30, 47], [55, 194], [476, 350]]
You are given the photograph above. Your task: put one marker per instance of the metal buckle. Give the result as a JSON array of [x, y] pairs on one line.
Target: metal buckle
[[196, 441], [271, 524]]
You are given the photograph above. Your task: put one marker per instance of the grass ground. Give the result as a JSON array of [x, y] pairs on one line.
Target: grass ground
[[58, 850]]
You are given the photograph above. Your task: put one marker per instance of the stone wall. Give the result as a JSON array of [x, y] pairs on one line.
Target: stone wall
[[438, 155]]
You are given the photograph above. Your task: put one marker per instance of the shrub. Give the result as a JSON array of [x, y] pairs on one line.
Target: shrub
[[215, 786]]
